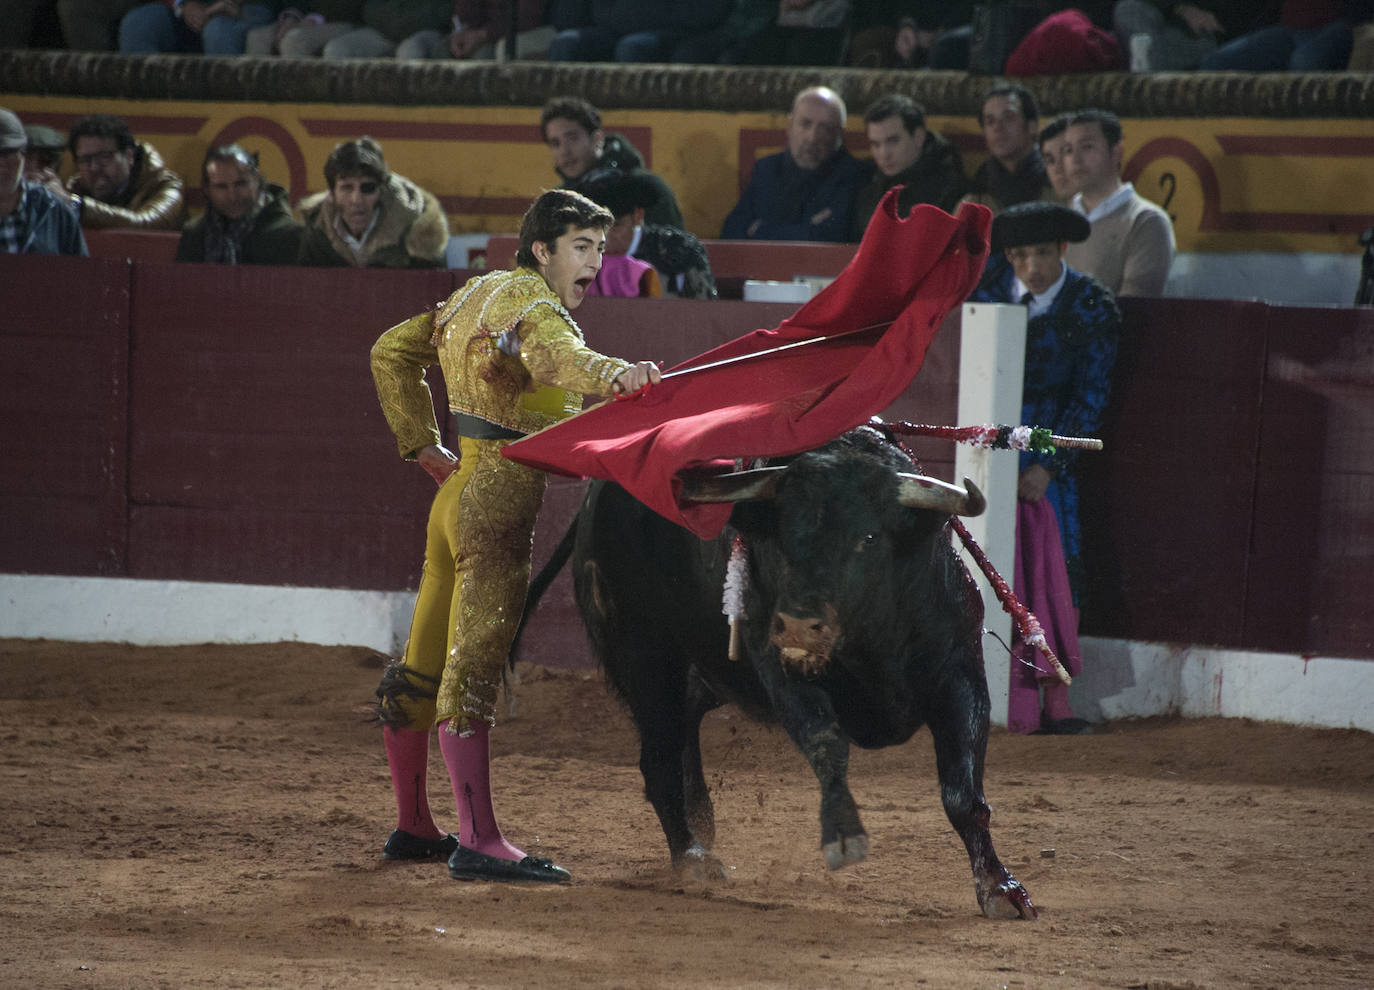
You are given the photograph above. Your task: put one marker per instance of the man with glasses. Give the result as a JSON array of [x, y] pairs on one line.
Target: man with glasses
[[120, 182], [33, 219], [370, 217]]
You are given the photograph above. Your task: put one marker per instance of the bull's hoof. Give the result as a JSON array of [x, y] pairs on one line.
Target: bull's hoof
[[850, 849], [1007, 902], [699, 863]]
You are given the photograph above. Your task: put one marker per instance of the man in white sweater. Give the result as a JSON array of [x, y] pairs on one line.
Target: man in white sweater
[[1131, 245]]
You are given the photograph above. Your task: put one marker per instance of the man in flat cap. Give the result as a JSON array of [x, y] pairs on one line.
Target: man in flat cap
[[33, 219], [679, 257], [1072, 329], [43, 155]]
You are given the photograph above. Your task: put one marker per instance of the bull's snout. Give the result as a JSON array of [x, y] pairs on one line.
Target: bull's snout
[[805, 640]]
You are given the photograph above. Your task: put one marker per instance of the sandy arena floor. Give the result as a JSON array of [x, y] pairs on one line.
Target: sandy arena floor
[[212, 817]]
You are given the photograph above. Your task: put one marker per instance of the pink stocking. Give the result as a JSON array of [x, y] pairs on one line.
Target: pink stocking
[[1056, 699], [469, 770], [407, 754]]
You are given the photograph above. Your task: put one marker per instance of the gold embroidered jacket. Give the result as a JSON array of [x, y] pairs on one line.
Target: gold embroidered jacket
[[497, 339]]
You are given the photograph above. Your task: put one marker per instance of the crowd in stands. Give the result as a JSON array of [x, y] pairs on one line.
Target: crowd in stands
[[1035, 37], [812, 190]]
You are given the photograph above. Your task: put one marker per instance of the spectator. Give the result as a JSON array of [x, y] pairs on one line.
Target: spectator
[[805, 192], [924, 164], [908, 34], [479, 31], [120, 182], [247, 221], [638, 30], [1131, 245], [795, 32], [387, 25], [626, 277], [724, 44], [571, 127], [92, 25], [43, 155], [1163, 36], [191, 26], [678, 257], [1310, 36], [28, 24], [33, 219], [1072, 329], [304, 33], [1014, 171], [370, 217], [1051, 141]]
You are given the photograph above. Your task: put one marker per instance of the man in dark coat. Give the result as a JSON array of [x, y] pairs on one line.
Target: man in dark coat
[[572, 129], [805, 192], [1014, 172], [907, 154], [247, 221]]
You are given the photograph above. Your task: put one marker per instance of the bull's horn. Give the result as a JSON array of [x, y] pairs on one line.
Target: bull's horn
[[916, 491], [740, 486]]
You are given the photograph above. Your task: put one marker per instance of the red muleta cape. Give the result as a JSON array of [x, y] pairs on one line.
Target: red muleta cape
[[905, 278]]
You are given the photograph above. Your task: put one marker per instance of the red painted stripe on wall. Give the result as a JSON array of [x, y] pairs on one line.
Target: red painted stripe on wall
[[1292, 223], [410, 130], [138, 123], [1289, 146], [401, 130], [506, 206]]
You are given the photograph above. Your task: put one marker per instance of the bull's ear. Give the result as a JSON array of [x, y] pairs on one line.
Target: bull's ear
[[917, 491], [741, 486]]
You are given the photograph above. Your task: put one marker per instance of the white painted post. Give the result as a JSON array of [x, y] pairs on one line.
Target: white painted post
[[991, 365]]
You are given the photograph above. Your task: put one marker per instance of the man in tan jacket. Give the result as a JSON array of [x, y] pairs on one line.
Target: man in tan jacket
[[120, 182]]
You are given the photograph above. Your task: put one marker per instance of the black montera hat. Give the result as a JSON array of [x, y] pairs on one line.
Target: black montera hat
[[617, 190], [1038, 223]]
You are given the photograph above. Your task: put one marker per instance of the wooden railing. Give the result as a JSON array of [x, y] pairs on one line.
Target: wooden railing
[[208, 423]]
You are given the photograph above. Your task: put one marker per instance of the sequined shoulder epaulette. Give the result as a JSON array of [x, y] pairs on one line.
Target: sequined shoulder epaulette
[[531, 286]]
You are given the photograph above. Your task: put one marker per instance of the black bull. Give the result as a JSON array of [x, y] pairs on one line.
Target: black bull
[[861, 625]]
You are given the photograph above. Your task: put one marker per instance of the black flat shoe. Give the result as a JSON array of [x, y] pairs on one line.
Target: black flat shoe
[[403, 845], [468, 864], [1064, 727]]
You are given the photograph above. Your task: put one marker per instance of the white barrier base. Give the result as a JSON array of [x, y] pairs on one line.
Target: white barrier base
[[1129, 678], [1121, 679], [169, 613]]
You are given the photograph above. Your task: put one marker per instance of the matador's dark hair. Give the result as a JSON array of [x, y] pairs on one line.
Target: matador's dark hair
[[552, 215]]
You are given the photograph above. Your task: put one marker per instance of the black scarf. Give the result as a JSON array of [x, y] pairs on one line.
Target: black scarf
[[224, 237]]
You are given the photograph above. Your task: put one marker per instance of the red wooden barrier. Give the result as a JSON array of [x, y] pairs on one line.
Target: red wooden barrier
[[776, 261], [213, 423], [135, 245], [64, 358]]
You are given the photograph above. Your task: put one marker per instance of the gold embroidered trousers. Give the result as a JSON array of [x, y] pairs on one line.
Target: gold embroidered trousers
[[472, 589]]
